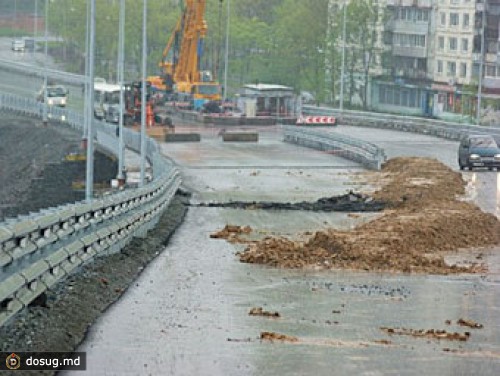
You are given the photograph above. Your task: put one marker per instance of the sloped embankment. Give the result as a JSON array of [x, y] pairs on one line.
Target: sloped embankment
[[425, 219]]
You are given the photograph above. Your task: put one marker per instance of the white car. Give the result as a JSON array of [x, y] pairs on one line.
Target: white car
[[18, 45], [56, 96]]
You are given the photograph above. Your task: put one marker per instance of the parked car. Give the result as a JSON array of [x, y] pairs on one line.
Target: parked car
[[18, 45], [57, 95], [478, 151]]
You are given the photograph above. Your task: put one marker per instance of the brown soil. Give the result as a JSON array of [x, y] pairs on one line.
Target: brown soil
[[425, 220], [232, 233], [259, 311], [469, 323], [272, 336], [430, 333]]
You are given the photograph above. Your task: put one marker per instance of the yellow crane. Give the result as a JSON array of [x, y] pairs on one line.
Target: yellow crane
[[181, 59]]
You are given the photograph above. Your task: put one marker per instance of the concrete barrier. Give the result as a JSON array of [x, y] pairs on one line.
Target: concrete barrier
[[240, 137], [183, 137]]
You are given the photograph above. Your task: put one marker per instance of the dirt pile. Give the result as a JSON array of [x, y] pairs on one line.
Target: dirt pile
[[426, 219], [430, 333], [232, 233], [259, 311], [272, 336]]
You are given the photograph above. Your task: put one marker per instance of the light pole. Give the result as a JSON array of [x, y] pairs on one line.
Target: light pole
[[343, 60], [121, 48], [89, 182], [45, 109], [35, 25], [87, 113], [226, 60], [481, 64], [143, 97]]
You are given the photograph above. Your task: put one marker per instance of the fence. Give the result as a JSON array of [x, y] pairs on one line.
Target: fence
[[41, 249]]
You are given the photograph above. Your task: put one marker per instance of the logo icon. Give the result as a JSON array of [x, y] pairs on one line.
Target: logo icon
[[13, 361]]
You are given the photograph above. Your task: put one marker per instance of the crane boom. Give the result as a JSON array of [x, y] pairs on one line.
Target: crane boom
[[181, 58]]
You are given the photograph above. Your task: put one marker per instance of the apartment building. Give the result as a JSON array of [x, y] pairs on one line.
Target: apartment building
[[432, 67]]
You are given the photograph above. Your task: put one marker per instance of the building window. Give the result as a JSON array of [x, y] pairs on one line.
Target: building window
[[443, 18], [441, 43], [440, 66], [491, 71], [463, 69], [454, 19], [453, 44], [465, 21], [452, 68], [455, 1], [465, 44]]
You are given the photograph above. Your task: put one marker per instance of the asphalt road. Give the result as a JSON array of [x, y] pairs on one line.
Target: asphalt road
[[23, 84], [188, 312]]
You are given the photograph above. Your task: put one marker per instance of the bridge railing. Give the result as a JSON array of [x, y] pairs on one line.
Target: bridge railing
[[369, 155], [41, 249], [438, 128]]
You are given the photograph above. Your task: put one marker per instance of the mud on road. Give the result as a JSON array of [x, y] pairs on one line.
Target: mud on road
[[426, 218]]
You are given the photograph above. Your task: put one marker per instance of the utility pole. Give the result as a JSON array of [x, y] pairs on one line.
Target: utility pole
[[343, 60], [35, 26], [143, 99], [89, 183], [121, 58], [45, 108], [481, 64], [227, 52], [87, 114]]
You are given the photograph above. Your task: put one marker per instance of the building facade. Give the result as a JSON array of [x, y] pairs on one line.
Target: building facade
[[433, 64]]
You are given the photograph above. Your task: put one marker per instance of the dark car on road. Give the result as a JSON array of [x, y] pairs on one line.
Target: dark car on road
[[478, 151]]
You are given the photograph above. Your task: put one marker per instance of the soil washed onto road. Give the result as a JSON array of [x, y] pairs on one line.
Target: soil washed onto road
[[425, 220]]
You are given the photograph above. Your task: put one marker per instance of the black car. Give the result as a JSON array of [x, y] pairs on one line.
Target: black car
[[478, 151]]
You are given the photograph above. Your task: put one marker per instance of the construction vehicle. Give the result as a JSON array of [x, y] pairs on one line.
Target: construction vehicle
[[158, 123], [182, 75]]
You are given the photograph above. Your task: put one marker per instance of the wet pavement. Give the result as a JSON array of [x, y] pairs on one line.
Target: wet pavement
[[188, 313]]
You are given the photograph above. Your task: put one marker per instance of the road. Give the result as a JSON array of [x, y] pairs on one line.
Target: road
[[23, 84], [188, 312]]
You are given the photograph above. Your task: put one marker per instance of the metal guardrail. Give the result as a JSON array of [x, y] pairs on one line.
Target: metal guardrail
[[369, 155], [39, 71], [41, 249], [437, 128]]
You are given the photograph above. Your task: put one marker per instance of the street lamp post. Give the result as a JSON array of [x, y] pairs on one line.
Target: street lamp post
[[143, 97], [89, 182], [226, 60], [45, 109], [343, 61], [121, 55], [481, 64]]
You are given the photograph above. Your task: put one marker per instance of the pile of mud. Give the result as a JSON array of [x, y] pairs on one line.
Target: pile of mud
[[426, 220]]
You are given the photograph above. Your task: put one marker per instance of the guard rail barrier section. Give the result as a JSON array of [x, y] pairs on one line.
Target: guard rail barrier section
[[437, 128], [369, 155], [41, 249]]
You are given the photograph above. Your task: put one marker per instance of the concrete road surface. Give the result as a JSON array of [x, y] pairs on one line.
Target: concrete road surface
[[188, 312]]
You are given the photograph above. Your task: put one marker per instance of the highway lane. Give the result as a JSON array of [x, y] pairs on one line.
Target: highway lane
[[188, 312], [22, 83]]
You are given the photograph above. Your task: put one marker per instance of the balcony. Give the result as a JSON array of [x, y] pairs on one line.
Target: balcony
[[491, 82], [408, 27], [418, 52], [410, 3]]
